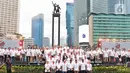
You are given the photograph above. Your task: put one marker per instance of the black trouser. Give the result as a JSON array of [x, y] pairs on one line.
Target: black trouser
[[128, 59], [89, 71], [82, 71], [5, 57], [9, 71], [111, 59], [28, 58], [1, 59], [47, 72], [123, 59], [58, 71], [70, 71]]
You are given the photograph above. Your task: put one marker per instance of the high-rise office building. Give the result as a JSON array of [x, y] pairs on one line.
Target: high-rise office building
[[70, 23], [38, 29], [115, 5], [108, 26], [9, 16], [46, 42], [63, 41], [81, 10]]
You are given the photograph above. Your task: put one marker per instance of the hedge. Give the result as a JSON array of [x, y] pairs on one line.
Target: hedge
[[40, 69]]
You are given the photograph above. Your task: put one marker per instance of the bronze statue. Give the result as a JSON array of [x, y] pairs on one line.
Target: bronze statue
[[56, 8]]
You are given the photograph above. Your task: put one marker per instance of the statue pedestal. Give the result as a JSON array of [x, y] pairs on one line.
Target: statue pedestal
[[53, 19]]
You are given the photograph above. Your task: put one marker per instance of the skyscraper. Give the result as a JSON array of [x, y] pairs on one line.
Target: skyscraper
[[38, 29], [108, 26], [114, 5], [80, 11], [46, 42], [70, 23], [9, 16]]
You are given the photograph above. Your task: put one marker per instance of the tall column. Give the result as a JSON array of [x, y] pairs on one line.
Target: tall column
[[52, 30], [59, 30]]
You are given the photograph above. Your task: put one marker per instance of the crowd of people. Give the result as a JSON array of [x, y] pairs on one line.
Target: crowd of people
[[66, 59], [24, 55]]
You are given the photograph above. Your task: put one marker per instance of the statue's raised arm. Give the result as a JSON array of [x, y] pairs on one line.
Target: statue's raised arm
[[54, 5]]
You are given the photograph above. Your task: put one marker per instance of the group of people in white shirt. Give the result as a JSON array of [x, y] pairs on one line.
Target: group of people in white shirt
[[67, 60], [25, 55], [116, 55]]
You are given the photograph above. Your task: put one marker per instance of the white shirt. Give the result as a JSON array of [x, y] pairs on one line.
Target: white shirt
[[5, 52], [64, 67], [83, 66], [1, 52], [89, 67], [112, 52], [116, 54], [13, 52], [123, 53], [70, 66], [76, 66], [28, 52], [47, 67], [105, 53], [58, 65], [53, 66]]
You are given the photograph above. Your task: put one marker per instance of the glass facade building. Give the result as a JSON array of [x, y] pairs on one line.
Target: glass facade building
[[70, 23], [38, 29], [108, 26]]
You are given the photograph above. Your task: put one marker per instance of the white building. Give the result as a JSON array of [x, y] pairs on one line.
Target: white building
[[9, 16], [28, 42]]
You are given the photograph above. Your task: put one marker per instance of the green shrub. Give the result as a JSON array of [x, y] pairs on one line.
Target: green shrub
[[39, 69]]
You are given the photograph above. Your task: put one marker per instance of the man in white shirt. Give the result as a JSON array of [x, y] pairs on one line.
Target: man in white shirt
[[64, 67], [28, 54], [89, 67], [53, 67], [116, 55], [5, 54], [76, 67], [112, 52], [83, 67], [13, 55], [123, 56], [1, 56], [70, 67]]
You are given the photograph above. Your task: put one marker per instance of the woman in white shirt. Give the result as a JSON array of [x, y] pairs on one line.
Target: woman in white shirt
[[76, 67], [70, 67], [53, 67], [83, 67], [105, 55], [47, 67], [58, 67]]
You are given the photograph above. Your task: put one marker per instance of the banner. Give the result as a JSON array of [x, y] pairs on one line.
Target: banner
[[83, 33]]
